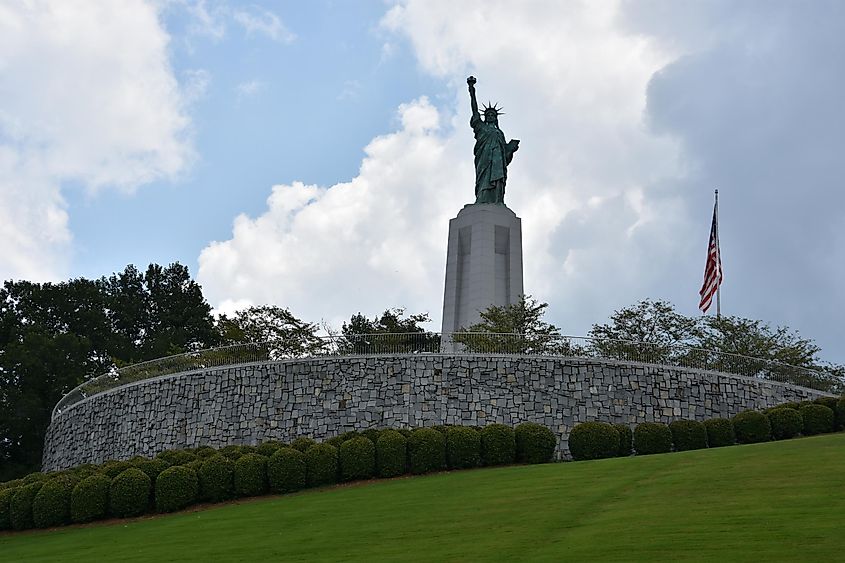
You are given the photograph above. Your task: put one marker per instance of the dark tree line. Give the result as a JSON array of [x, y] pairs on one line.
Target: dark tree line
[[54, 336]]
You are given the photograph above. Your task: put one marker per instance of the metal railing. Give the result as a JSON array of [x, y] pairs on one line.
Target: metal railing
[[458, 343]]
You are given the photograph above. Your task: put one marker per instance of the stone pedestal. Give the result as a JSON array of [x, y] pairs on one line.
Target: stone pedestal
[[483, 263]]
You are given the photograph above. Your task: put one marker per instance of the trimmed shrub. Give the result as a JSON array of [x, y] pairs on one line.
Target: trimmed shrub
[[251, 475], [534, 443], [89, 499], [426, 450], [357, 459], [840, 412], [112, 468], [5, 499], [216, 479], [152, 467], [498, 445], [795, 405], [176, 488], [129, 493], [33, 478], [177, 457], [51, 506], [688, 435], [720, 432], [593, 440], [268, 448], [320, 465], [785, 423], [371, 434], [751, 427], [405, 432], [652, 438], [391, 453], [463, 447], [248, 450], [20, 505], [442, 428], [626, 440], [286, 470], [818, 419], [335, 441], [303, 444], [205, 452]]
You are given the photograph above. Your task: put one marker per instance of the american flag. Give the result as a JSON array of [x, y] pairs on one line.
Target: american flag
[[713, 269]]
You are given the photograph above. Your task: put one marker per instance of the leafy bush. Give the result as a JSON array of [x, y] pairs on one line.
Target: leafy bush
[[357, 459], [217, 478], [626, 440], [321, 465], [818, 419], [795, 405], [20, 505], [176, 488], [498, 445], [405, 432], [391, 453], [112, 468], [720, 432], [652, 438], [34, 478], [51, 506], [426, 450], [286, 470], [688, 435], [840, 412], [534, 443], [232, 451], [5, 499], [442, 428], [268, 448], [89, 499], [593, 440], [371, 434], [335, 441], [129, 493], [751, 427], [205, 452], [303, 444], [248, 450], [785, 423], [251, 475], [152, 467], [463, 447], [177, 457]]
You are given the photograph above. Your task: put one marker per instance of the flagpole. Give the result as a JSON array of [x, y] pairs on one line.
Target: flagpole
[[719, 249]]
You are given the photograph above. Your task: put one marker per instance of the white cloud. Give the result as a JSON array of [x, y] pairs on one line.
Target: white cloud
[[263, 22], [206, 20], [86, 95], [574, 88], [249, 88]]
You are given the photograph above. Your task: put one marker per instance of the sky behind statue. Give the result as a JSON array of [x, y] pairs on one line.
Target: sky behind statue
[[310, 155]]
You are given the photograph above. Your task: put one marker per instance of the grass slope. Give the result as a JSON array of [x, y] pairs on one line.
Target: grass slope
[[773, 501]]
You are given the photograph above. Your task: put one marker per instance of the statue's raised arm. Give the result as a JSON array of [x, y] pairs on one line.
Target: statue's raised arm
[[492, 153]]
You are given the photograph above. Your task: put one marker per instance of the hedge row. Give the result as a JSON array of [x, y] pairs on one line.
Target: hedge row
[[597, 440], [176, 479]]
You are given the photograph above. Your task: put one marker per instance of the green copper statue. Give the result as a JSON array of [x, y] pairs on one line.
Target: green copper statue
[[492, 153]]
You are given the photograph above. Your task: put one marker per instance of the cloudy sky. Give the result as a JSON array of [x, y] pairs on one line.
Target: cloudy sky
[[310, 154]]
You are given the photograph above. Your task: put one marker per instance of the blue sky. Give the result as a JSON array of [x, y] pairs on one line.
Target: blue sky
[[310, 154]]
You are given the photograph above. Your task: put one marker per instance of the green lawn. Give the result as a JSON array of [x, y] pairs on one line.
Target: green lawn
[[774, 501]]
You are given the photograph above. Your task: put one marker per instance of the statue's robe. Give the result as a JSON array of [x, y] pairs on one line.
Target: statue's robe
[[492, 156]]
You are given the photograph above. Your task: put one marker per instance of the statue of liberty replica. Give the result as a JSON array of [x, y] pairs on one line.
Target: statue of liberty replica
[[492, 153]]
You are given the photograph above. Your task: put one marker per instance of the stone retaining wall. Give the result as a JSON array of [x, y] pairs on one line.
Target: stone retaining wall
[[320, 398]]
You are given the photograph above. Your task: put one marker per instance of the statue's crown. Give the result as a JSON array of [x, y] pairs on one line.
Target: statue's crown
[[493, 108]]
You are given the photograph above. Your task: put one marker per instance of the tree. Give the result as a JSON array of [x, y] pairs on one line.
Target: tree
[[647, 331], [389, 332], [271, 329], [518, 327], [55, 336], [652, 331]]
